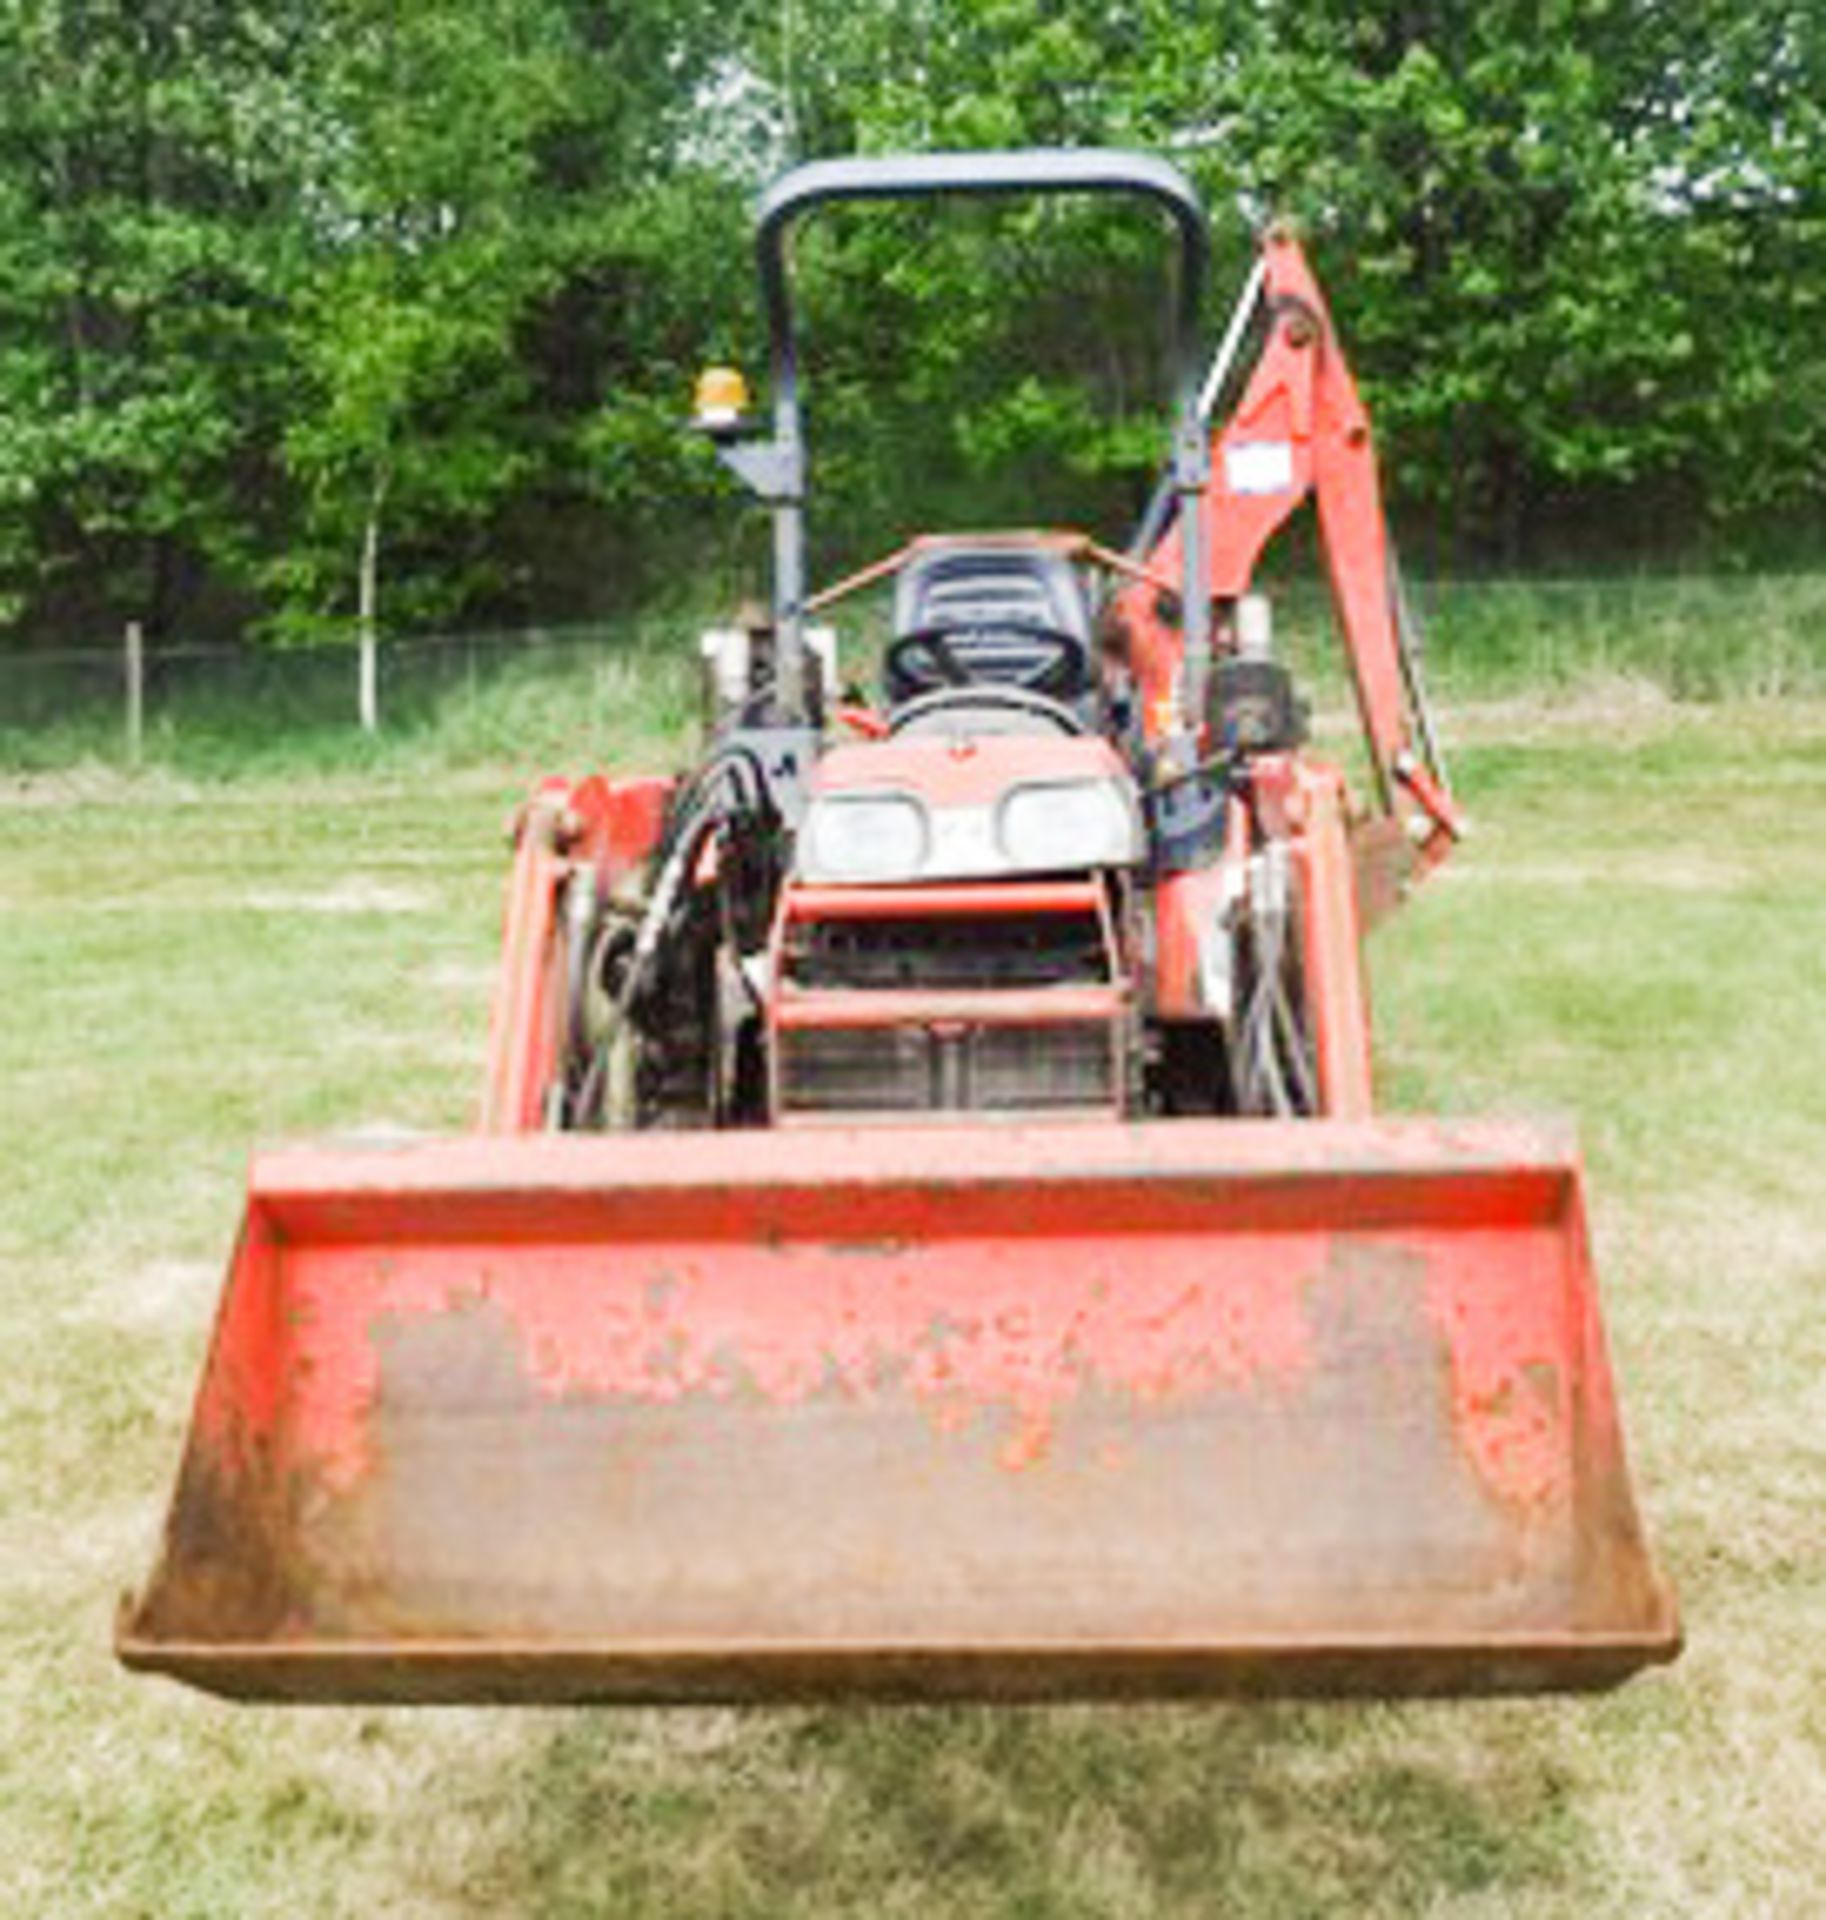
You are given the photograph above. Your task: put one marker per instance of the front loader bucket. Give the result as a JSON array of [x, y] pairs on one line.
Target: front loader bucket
[[1007, 1411]]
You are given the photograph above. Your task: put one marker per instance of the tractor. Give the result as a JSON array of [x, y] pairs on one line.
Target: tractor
[[928, 1231]]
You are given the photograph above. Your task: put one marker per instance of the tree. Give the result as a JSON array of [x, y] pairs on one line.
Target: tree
[[306, 310], [423, 247], [143, 155], [1572, 247]]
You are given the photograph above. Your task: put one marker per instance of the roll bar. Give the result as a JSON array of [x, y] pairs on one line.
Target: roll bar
[[776, 469], [924, 176]]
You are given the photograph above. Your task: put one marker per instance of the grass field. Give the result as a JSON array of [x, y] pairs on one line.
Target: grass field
[[474, 701], [1637, 934]]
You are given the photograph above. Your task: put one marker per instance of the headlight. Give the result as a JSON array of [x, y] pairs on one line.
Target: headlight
[[869, 836], [1068, 823]]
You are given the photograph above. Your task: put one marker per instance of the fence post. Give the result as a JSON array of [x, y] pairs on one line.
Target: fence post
[[136, 692]]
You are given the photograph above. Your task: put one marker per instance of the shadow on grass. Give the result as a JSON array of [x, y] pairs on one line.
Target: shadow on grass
[[1062, 1811]]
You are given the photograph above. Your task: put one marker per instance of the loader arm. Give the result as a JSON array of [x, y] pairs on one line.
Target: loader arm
[[1299, 432]]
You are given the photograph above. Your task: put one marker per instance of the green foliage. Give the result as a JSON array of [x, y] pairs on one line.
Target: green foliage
[[269, 278], [142, 156], [1536, 221], [1572, 249], [403, 335], [279, 285]]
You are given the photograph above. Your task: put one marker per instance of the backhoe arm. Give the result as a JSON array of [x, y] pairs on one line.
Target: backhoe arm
[[1301, 430]]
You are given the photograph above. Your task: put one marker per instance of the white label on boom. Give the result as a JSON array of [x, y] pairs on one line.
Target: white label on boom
[[1258, 466]]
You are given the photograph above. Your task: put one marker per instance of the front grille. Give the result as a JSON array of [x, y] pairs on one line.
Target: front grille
[[1071, 1066], [850, 1070], [995, 950], [983, 1069], [938, 1065]]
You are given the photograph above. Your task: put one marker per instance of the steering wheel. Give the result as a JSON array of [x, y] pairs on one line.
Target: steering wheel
[[927, 643], [986, 702], [1058, 655]]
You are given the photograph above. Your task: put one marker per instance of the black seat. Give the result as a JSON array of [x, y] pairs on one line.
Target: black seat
[[994, 616]]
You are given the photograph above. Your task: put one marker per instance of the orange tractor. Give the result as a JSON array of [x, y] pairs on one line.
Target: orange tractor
[[928, 1232]]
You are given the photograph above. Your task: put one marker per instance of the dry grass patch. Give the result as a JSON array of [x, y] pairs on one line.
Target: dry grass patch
[[1634, 937]]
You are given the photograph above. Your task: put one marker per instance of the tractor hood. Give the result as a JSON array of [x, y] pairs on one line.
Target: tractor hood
[[966, 806]]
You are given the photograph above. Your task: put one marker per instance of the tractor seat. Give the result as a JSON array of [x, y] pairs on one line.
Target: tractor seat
[[990, 616]]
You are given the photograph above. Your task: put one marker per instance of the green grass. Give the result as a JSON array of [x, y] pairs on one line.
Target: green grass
[[1696, 638], [494, 700], [1634, 934], [485, 701]]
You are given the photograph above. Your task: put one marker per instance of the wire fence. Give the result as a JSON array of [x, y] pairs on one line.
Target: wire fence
[[301, 686], [468, 696], [596, 689]]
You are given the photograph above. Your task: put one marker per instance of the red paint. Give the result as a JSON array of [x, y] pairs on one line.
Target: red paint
[[961, 900], [612, 825], [1507, 1330], [1300, 395], [853, 1007], [1337, 1002], [993, 1277], [970, 1336], [244, 1389], [930, 768], [1185, 905], [618, 822], [523, 1030], [864, 722]]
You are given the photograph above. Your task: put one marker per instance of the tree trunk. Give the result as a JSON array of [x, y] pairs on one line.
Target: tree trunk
[[367, 593]]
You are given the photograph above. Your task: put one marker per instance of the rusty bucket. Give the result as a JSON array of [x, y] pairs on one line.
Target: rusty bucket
[[1018, 1412]]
